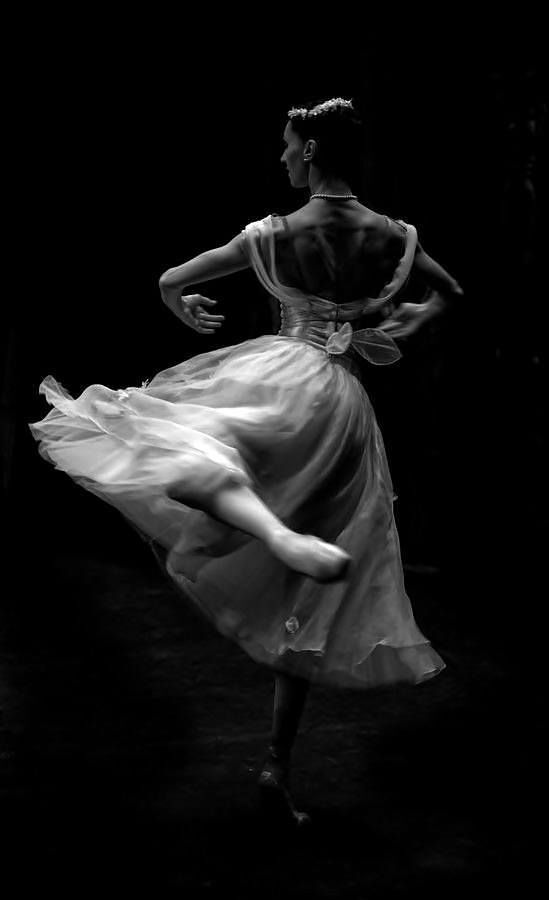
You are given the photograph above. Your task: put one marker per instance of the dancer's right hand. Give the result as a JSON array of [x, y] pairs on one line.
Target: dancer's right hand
[[190, 309]]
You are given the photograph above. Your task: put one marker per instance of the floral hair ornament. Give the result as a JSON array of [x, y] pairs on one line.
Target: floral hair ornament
[[325, 107], [297, 111]]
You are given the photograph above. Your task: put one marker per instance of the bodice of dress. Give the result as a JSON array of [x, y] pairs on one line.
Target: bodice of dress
[[324, 323]]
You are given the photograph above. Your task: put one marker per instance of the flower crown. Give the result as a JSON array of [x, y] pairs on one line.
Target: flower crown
[[327, 106]]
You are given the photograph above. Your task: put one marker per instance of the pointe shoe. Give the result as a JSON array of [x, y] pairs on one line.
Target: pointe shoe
[[275, 796], [312, 556]]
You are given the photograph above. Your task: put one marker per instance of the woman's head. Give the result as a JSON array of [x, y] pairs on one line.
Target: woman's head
[[326, 135]]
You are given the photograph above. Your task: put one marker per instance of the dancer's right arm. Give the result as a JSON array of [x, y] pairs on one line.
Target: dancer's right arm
[[206, 266], [211, 264]]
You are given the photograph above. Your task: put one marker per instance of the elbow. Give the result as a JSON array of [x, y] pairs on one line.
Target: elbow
[[449, 287], [452, 292], [451, 299], [456, 294], [164, 285]]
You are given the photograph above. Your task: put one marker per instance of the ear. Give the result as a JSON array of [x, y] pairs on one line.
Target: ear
[[309, 150]]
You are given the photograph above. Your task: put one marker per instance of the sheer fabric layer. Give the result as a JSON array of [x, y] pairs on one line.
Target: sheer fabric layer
[[282, 415]]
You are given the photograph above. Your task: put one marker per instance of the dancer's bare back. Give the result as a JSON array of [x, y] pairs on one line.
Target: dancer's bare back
[[340, 252], [345, 251]]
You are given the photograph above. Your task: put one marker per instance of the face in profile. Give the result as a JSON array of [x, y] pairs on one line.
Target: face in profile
[[292, 158]]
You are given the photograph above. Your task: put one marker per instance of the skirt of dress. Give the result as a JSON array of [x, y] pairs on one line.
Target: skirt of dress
[[281, 416]]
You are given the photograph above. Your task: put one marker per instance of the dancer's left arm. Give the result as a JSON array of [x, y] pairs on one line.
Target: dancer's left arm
[[443, 293], [211, 264]]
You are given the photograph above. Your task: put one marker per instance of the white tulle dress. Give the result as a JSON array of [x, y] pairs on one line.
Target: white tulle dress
[[287, 415]]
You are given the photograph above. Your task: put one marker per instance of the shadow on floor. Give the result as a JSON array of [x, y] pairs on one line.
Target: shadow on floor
[[131, 732]]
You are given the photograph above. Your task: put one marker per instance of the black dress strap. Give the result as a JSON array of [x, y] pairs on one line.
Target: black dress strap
[[285, 223]]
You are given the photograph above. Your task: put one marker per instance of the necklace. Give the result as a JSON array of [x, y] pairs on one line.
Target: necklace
[[334, 196]]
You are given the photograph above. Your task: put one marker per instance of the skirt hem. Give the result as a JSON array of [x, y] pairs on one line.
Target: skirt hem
[[384, 665]]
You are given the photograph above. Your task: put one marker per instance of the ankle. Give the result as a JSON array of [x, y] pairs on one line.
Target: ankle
[[280, 754], [278, 761], [276, 769], [278, 536], [280, 531]]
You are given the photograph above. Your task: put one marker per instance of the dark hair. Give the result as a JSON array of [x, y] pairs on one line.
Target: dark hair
[[339, 135]]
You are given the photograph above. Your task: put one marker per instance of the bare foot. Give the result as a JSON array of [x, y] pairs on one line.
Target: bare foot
[[310, 555]]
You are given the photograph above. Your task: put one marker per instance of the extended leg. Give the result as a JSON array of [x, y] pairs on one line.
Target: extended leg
[[240, 506]]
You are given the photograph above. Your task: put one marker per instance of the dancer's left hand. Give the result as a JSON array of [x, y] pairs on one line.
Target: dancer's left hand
[[406, 320]]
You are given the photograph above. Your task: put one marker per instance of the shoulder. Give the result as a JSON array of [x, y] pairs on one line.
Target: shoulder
[[395, 224], [258, 224], [292, 222], [396, 233], [288, 228]]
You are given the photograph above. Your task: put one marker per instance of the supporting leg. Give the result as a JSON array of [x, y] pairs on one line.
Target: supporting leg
[[289, 701]]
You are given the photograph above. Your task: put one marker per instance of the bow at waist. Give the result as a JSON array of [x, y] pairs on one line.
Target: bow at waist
[[371, 343]]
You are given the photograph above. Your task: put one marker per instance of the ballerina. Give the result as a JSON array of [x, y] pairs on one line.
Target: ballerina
[[257, 472]]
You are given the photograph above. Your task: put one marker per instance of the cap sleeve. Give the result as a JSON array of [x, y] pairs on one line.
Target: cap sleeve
[[255, 238]]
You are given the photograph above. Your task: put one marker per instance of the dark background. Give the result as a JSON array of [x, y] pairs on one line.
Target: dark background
[[134, 156]]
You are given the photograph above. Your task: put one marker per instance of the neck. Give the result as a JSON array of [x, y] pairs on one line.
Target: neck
[[327, 184]]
